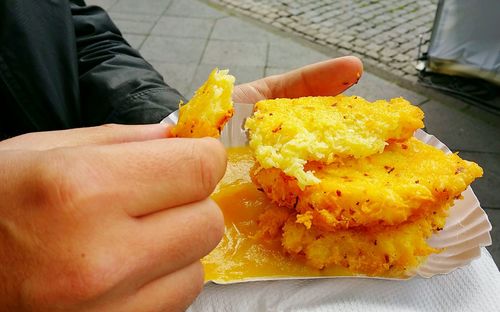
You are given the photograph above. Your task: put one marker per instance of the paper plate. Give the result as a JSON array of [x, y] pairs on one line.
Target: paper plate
[[467, 227]]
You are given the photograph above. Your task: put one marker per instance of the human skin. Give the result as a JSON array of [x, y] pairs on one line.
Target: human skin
[[116, 218]]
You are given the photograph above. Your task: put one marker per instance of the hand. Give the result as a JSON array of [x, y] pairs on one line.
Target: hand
[[111, 218], [325, 78]]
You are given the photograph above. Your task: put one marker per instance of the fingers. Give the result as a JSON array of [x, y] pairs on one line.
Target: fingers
[[168, 240], [325, 78], [321, 79], [144, 177], [106, 134], [174, 292]]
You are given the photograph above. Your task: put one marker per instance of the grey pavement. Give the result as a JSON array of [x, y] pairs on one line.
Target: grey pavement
[[386, 34], [185, 39]]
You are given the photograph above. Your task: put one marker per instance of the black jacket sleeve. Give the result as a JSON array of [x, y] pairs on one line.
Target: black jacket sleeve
[[116, 83], [66, 65]]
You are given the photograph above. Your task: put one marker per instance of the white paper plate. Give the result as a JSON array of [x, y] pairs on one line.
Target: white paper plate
[[467, 227]]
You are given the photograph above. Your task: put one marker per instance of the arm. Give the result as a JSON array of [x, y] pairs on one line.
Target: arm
[[116, 83]]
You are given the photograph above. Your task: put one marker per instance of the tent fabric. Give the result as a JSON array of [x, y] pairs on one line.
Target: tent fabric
[[465, 39]]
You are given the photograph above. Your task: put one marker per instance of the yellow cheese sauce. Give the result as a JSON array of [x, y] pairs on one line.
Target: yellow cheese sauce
[[240, 255]]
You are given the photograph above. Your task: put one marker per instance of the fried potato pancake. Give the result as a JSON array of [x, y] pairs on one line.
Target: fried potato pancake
[[210, 108], [388, 251], [408, 180], [377, 250], [287, 133]]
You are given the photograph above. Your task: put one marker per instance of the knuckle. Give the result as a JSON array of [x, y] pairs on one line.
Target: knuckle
[[197, 278], [93, 277], [72, 283], [210, 163], [52, 184], [213, 224], [190, 290]]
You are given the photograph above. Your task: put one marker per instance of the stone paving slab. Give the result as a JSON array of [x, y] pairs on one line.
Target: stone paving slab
[[192, 8], [384, 33], [374, 88], [134, 27], [242, 73], [105, 4], [152, 7], [289, 54], [233, 29], [178, 76], [484, 186], [173, 50], [183, 27], [494, 249], [235, 53], [459, 130], [135, 41], [132, 17]]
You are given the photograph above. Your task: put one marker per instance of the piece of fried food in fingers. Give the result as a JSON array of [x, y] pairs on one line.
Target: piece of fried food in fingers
[[210, 108]]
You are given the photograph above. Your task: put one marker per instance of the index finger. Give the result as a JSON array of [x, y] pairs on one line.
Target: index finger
[[141, 177]]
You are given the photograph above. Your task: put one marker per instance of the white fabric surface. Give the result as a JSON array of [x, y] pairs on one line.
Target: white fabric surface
[[473, 288]]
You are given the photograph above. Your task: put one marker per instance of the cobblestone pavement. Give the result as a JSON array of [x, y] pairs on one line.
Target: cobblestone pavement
[[383, 33]]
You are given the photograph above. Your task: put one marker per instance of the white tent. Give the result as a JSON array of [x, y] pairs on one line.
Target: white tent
[[465, 39]]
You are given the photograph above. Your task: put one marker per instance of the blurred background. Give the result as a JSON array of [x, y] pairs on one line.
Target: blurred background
[[440, 55]]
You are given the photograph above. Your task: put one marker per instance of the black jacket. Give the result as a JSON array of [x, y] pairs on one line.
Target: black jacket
[[66, 65]]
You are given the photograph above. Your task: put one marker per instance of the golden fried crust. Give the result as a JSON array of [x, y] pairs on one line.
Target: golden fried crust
[[377, 250], [208, 111], [287, 133], [388, 251], [405, 182]]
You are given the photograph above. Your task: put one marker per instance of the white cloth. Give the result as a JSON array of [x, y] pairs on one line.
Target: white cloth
[[473, 288]]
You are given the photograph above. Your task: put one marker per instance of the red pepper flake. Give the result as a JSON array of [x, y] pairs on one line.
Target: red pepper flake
[[404, 146], [375, 242], [389, 169], [386, 257], [417, 182], [339, 193], [296, 202], [345, 83], [277, 128], [365, 174]]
